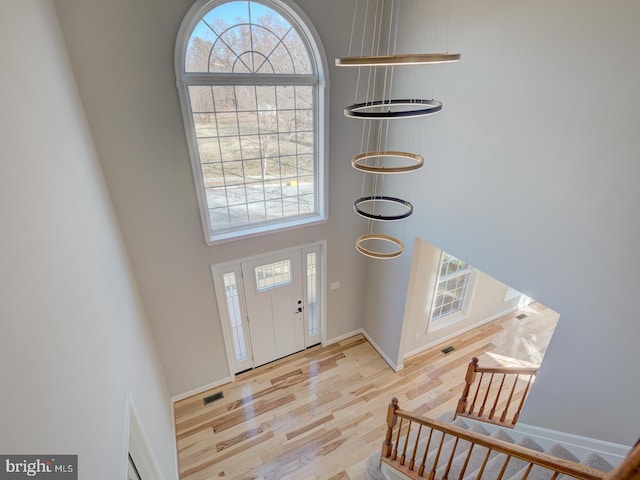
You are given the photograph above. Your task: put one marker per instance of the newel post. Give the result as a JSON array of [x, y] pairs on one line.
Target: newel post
[[468, 380], [391, 422]]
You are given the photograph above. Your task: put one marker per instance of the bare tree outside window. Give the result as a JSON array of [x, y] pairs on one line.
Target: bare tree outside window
[[252, 91]]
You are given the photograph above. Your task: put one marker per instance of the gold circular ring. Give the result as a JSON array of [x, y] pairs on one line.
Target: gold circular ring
[[401, 59], [385, 238], [358, 162]]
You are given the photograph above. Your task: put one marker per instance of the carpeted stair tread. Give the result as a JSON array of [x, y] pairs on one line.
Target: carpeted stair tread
[[515, 464], [478, 455], [541, 473], [462, 449], [372, 467], [594, 460], [448, 417], [436, 439], [496, 463]]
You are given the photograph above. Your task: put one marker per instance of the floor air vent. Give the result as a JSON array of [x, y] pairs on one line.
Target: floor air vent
[[447, 350], [521, 316], [212, 398]]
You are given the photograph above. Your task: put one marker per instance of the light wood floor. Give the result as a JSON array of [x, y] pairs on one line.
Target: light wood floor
[[320, 413]]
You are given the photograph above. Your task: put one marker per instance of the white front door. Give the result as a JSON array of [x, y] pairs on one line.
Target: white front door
[[270, 306], [275, 304]]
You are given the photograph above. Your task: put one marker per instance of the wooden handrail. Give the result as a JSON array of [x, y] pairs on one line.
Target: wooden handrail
[[532, 457], [492, 398], [509, 370], [629, 468]]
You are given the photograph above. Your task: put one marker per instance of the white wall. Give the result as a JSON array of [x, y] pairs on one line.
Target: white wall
[[75, 345], [538, 135], [122, 56], [538, 143], [485, 300]]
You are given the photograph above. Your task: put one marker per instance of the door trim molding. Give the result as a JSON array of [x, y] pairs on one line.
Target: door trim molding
[[138, 445], [216, 273]]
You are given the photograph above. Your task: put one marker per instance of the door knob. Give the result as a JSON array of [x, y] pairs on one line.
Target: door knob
[[299, 310]]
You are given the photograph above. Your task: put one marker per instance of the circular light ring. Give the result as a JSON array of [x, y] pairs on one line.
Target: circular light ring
[[361, 110], [400, 59], [382, 255], [383, 198], [358, 162]]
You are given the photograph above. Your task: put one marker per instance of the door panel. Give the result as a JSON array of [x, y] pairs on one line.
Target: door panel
[[274, 297]]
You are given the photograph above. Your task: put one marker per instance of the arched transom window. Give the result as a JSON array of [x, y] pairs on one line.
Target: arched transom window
[[251, 77]]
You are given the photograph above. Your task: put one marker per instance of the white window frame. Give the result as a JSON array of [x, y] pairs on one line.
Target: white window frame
[[310, 36], [463, 312]]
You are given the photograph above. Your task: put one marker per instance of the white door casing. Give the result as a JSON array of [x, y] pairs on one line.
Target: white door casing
[[261, 318]]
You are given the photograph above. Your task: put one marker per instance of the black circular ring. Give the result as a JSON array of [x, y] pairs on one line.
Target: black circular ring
[[383, 198], [358, 110]]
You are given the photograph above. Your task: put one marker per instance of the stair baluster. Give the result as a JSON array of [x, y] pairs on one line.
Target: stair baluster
[[495, 404], [463, 470], [450, 462], [426, 452], [492, 397], [432, 473], [516, 415], [506, 407], [395, 446], [475, 397], [451, 440], [406, 442], [504, 467], [486, 396], [412, 462]]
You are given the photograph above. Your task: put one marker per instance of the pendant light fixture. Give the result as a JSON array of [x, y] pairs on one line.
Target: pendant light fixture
[[375, 205]]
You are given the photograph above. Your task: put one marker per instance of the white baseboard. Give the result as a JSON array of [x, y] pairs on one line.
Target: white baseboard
[[326, 343], [446, 338], [612, 452], [361, 331], [196, 391], [384, 356]]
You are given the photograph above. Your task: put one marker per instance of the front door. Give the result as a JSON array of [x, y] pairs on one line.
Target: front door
[[274, 300]]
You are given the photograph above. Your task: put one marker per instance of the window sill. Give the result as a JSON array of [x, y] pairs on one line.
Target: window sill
[[264, 230], [442, 323]]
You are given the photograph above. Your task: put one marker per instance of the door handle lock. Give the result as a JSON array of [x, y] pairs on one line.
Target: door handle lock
[[299, 310]]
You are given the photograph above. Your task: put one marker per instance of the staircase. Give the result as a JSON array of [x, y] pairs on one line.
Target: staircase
[[448, 448]]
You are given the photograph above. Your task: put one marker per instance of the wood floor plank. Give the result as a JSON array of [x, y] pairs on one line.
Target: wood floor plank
[[238, 439], [309, 426], [318, 414]]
